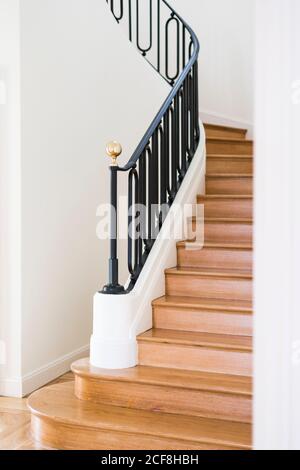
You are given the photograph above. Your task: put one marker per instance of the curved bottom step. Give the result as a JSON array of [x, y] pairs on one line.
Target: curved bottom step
[[61, 421]]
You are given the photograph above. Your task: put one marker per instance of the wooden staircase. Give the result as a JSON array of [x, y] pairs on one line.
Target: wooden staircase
[[192, 388]]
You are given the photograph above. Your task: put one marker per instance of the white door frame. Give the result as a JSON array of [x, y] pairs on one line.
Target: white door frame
[[277, 226]]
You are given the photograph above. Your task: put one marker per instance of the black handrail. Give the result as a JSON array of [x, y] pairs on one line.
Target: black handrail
[[162, 158]]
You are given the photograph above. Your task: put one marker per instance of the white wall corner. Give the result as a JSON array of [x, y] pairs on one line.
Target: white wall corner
[[21, 386], [51, 371], [118, 319], [10, 198]]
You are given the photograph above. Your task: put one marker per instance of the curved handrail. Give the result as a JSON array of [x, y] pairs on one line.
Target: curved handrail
[[168, 146], [196, 49]]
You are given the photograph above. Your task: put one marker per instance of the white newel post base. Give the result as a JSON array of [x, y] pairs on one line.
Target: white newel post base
[[112, 344]]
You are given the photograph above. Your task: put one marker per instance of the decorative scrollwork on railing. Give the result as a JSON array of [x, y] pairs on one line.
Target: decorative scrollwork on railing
[[117, 14], [161, 160]]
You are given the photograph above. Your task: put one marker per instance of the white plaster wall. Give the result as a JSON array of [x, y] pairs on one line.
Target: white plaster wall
[[277, 226], [82, 85], [10, 293], [226, 64]]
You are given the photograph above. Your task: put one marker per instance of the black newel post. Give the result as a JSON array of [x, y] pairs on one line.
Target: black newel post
[[113, 150]]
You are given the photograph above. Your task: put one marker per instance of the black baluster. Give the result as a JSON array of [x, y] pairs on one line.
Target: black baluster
[[197, 127], [189, 118], [113, 150], [183, 161], [163, 164], [192, 115], [142, 203], [177, 137], [149, 198], [144, 50], [130, 19], [172, 78], [152, 189], [163, 174], [154, 184], [191, 48], [184, 132], [158, 36], [173, 165], [121, 12], [183, 46], [132, 217], [167, 146]]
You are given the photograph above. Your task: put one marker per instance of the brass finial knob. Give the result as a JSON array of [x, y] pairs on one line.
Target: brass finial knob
[[113, 150]]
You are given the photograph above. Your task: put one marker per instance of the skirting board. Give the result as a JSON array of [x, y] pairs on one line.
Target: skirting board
[[210, 117], [20, 387]]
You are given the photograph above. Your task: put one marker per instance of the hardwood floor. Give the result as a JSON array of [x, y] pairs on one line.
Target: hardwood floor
[[15, 433]]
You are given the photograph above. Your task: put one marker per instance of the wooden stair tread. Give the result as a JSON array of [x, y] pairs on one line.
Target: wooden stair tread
[[222, 220], [229, 175], [58, 404], [229, 156], [237, 220], [209, 340], [199, 303], [212, 130], [229, 140], [190, 380], [218, 245], [224, 128], [224, 196], [211, 272]]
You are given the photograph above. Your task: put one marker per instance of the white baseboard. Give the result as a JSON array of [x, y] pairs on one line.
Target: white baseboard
[[11, 387], [210, 117], [20, 387]]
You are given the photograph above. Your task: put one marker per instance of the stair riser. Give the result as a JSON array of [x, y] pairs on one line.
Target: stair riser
[[229, 148], [208, 287], [54, 434], [229, 186], [225, 232], [214, 258], [230, 208], [224, 134], [227, 166], [202, 321], [231, 407], [203, 359]]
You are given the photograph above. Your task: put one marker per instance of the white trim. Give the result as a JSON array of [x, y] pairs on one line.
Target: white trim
[[20, 387], [118, 319], [115, 353], [11, 387], [210, 117], [277, 228]]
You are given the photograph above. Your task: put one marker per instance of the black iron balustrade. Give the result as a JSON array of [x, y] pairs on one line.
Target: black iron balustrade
[[161, 160]]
